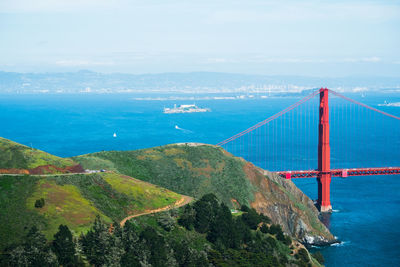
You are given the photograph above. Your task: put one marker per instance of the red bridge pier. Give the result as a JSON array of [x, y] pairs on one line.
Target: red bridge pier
[[324, 154]]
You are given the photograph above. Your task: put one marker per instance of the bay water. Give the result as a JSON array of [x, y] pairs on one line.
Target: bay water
[[366, 209]]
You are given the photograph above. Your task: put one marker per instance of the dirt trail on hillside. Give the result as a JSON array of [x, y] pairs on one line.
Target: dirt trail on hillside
[[181, 202]]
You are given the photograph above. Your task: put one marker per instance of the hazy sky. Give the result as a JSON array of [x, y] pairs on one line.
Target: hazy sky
[[316, 38]]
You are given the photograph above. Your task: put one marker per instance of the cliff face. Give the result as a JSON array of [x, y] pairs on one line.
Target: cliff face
[[197, 169], [286, 205]]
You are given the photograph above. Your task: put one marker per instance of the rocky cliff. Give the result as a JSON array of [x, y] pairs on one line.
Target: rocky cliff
[[288, 206]]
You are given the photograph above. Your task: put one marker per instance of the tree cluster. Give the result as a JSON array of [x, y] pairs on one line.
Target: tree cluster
[[130, 246], [245, 240], [37, 251]]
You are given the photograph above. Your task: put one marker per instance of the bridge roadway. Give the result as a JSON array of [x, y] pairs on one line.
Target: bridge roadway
[[340, 172]]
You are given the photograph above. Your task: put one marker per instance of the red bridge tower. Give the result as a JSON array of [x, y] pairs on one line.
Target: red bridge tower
[[324, 171], [324, 154]]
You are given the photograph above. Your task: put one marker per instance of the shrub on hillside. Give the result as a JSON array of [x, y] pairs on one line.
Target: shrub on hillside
[[287, 240], [319, 257], [264, 229], [39, 203], [244, 208], [166, 221], [275, 229], [252, 218], [302, 255]]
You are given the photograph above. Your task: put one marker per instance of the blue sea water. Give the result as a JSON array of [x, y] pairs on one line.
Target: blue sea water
[[366, 209]]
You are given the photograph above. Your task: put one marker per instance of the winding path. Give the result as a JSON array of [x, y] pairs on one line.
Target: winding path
[[181, 202]]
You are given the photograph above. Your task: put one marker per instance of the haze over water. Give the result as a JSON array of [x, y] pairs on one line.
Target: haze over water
[[366, 209]]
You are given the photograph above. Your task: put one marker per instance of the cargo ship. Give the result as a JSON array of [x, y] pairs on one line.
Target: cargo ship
[[185, 109]]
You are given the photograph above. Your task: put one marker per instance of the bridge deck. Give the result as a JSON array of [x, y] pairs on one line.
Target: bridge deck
[[341, 172]]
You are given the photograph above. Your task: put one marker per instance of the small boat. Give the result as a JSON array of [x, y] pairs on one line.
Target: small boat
[[114, 135]]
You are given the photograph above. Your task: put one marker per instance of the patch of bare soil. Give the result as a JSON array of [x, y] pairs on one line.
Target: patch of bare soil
[[46, 169]]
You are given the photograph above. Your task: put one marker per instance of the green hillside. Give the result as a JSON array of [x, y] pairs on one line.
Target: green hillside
[[196, 170], [73, 200], [17, 156]]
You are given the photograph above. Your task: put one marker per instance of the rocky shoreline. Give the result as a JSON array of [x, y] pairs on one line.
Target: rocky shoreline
[[318, 241]]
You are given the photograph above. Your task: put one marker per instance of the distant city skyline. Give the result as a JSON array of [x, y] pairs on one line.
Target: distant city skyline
[[305, 38]]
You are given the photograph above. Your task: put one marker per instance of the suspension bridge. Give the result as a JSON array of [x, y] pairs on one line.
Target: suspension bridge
[[296, 142]]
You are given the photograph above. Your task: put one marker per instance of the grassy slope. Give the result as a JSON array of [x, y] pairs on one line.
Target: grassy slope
[[73, 200], [15, 218], [14, 155], [193, 171], [196, 170]]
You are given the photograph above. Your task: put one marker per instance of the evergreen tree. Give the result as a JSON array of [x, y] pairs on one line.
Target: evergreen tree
[[130, 242], [187, 218], [264, 229], [100, 246], [166, 221], [244, 208], [287, 240], [206, 209], [222, 227], [156, 244], [302, 256], [64, 246], [261, 243], [203, 216], [117, 231], [186, 256], [280, 236], [251, 218], [181, 252], [264, 218], [275, 229], [241, 234], [34, 252], [17, 257]]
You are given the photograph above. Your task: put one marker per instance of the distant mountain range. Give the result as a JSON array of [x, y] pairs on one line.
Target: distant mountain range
[[85, 81]]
